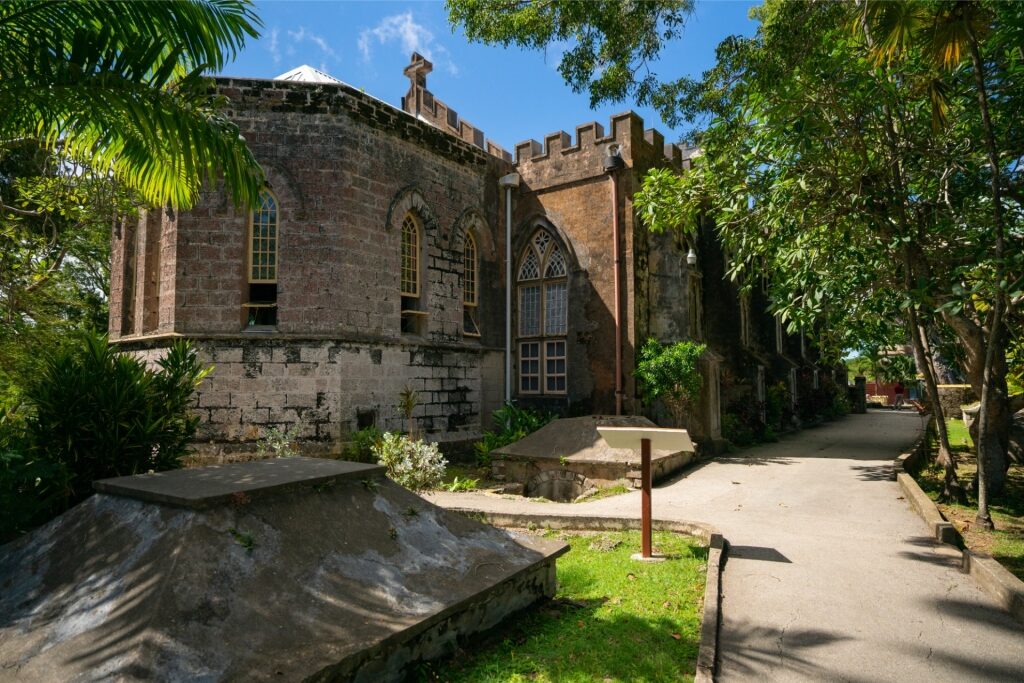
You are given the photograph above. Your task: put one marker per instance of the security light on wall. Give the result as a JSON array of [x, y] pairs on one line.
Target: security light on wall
[[613, 158], [691, 257]]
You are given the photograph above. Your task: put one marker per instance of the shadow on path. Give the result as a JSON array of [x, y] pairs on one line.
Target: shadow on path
[[753, 552], [750, 651]]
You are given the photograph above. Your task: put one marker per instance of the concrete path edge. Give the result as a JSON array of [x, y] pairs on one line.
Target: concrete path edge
[[912, 459], [995, 579], [942, 530], [711, 616]]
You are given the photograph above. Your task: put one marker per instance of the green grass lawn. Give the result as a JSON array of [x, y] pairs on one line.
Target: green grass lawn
[[606, 492], [1006, 543], [470, 478], [613, 619], [959, 437]]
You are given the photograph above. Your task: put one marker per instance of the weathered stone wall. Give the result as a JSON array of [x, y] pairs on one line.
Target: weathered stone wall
[[328, 389], [565, 186], [344, 167], [952, 396]]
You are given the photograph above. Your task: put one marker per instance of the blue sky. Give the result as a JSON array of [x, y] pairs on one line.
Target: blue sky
[[512, 95]]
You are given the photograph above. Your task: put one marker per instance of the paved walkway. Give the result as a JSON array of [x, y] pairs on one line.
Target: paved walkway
[[830, 575]]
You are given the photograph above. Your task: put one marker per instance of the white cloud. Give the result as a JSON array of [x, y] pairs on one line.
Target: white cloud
[[274, 47], [413, 37], [302, 36]]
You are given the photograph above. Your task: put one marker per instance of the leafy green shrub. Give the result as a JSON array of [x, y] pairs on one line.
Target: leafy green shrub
[[100, 413], [413, 464], [360, 448], [776, 405], [737, 431], [278, 443], [512, 423], [31, 492], [466, 484], [669, 372]]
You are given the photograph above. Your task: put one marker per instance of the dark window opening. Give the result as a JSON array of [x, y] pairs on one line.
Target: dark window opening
[[262, 304]]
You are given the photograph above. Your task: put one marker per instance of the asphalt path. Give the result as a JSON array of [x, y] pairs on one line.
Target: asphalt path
[[830, 575]]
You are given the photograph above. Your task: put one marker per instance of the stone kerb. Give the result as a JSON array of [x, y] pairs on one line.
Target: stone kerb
[[913, 458], [1005, 588]]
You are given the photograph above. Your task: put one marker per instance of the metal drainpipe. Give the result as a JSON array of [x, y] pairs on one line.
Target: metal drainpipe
[[507, 183], [612, 163]]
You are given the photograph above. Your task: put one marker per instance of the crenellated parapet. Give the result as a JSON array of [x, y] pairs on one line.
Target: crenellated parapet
[[422, 104], [626, 130]]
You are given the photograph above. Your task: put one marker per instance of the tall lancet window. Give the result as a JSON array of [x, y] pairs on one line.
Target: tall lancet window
[[543, 293], [262, 270]]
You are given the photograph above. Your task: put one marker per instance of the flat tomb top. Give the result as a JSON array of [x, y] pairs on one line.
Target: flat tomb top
[[210, 486], [577, 440]]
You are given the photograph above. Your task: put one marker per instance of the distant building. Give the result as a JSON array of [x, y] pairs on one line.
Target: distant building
[[376, 263]]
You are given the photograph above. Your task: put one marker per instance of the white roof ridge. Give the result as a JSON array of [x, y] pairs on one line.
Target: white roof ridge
[[307, 74]]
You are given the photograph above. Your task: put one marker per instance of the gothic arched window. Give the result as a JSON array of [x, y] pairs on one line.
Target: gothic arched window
[[414, 310], [410, 257], [262, 265], [543, 291], [470, 287]]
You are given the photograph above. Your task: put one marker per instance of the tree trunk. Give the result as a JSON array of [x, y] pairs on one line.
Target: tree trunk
[[994, 430], [953, 490], [991, 474]]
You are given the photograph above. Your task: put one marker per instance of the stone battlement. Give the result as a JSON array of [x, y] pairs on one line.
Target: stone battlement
[[625, 130]]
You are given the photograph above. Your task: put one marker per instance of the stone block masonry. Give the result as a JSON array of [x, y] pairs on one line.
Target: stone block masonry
[[327, 389], [345, 169]]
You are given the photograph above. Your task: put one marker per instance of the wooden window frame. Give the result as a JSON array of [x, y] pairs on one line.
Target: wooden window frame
[[261, 312], [554, 375], [414, 255], [539, 358], [541, 337], [470, 285], [276, 237]]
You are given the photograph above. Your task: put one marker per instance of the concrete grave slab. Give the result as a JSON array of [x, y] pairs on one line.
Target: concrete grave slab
[[574, 446], [259, 574], [209, 486]]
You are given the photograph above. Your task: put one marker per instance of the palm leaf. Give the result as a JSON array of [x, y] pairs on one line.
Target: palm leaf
[[119, 86]]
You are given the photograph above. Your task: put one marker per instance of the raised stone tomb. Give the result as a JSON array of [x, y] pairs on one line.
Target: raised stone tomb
[[567, 458], [286, 569]]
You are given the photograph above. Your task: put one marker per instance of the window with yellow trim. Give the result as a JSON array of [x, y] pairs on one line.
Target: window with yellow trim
[[470, 287], [413, 308], [262, 263], [410, 256]]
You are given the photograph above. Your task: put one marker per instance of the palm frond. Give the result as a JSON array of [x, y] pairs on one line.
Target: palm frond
[[119, 86]]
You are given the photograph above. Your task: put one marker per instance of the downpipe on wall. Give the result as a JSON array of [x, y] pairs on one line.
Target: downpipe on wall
[[508, 183], [612, 163]]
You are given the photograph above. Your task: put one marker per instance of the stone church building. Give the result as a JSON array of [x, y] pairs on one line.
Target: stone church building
[[378, 261]]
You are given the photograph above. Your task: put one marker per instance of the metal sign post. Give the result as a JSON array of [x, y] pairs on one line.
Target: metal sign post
[[645, 498], [645, 439]]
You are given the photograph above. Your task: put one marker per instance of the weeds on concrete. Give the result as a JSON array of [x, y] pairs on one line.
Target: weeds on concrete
[[606, 492], [243, 539]]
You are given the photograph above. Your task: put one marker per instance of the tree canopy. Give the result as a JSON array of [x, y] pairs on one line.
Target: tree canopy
[[865, 157], [119, 87]]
